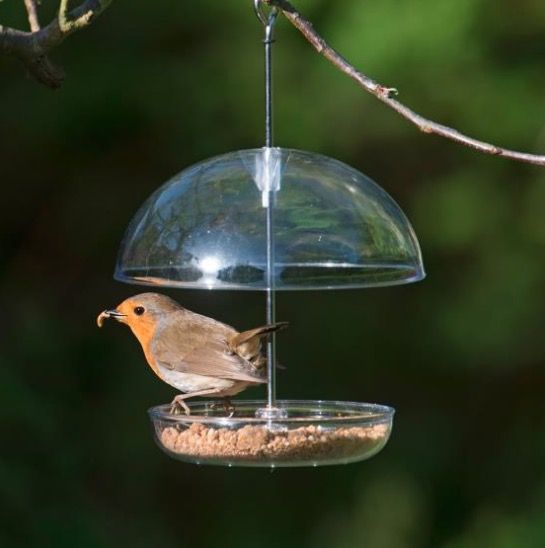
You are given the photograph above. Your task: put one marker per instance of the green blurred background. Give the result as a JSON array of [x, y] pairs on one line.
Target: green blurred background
[[153, 87]]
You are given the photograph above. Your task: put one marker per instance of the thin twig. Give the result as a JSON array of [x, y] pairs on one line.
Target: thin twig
[[386, 94], [64, 24], [32, 14], [69, 24]]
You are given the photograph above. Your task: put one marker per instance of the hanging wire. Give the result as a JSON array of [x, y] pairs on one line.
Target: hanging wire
[[268, 15]]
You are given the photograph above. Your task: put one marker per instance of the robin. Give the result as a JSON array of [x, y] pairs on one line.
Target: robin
[[193, 353]]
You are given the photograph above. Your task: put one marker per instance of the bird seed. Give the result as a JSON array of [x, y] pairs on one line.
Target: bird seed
[[261, 444]]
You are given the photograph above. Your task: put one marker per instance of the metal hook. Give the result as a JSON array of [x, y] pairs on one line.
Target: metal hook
[[267, 20]]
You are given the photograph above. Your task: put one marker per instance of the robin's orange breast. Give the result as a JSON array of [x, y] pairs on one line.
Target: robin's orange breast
[[144, 331]]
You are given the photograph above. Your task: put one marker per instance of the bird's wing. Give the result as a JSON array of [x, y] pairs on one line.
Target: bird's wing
[[189, 347]]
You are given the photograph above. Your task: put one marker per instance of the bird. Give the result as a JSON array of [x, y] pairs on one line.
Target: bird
[[197, 355]]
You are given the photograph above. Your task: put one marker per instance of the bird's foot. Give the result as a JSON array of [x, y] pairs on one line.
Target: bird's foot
[[229, 407], [178, 404]]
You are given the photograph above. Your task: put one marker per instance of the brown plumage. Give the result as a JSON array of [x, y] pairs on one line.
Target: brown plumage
[[197, 355]]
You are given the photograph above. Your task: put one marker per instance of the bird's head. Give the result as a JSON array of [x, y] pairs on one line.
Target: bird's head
[[141, 312]]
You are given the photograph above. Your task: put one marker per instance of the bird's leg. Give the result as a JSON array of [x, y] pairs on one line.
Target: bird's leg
[[178, 401], [228, 406]]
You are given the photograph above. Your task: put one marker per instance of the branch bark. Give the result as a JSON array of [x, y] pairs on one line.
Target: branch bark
[[387, 94], [32, 14], [32, 48]]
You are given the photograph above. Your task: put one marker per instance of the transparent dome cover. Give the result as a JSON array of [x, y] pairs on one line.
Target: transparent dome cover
[[207, 227]]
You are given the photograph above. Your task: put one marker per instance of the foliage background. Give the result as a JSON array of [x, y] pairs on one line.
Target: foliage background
[[154, 88]]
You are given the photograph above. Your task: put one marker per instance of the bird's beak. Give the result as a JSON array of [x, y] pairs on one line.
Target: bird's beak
[[109, 314]]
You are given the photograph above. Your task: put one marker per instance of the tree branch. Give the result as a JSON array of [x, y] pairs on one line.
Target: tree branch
[[386, 94], [33, 47], [68, 23], [32, 14]]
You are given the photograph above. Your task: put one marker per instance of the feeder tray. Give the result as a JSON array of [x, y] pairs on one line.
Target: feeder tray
[[311, 433]]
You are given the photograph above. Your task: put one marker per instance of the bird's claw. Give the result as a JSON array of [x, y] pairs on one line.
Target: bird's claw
[[178, 405], [229, 408]]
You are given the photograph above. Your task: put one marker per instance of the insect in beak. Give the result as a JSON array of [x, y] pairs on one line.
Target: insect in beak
[[109, 314]]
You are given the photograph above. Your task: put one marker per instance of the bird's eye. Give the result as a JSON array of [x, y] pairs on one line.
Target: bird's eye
[[139, 310]]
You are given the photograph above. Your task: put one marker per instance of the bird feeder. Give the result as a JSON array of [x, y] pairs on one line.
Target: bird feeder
[[271, 219]]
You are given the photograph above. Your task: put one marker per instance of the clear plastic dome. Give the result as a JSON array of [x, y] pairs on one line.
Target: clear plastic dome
[[207, 227]]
